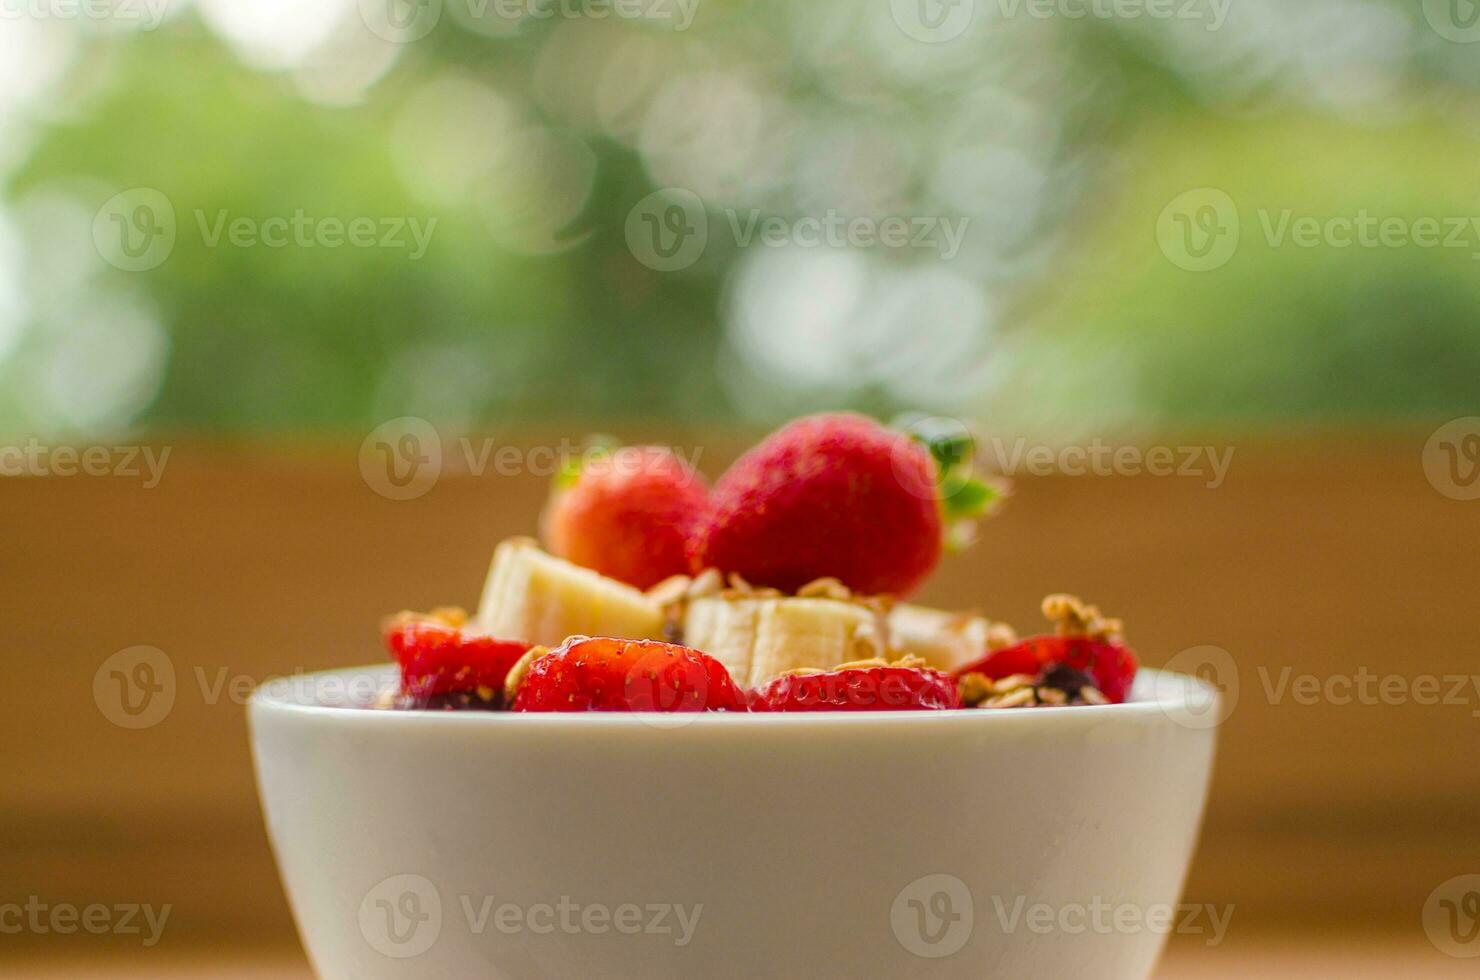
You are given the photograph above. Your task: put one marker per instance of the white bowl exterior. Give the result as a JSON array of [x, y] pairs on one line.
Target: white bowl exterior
[[800, 836]]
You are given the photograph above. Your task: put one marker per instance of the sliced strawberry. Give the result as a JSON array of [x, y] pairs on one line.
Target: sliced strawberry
[[604, 674], [1112, 666], [1020, 658], [872, 687], [1086, 642], [437, 658]]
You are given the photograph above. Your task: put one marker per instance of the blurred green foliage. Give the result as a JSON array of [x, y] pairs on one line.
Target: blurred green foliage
[[1084, 324]]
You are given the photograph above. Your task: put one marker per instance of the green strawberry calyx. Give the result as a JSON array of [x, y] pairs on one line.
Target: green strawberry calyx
[[965, 499]]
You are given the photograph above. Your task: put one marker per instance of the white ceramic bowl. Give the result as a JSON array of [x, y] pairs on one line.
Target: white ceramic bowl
[[1017, 844]]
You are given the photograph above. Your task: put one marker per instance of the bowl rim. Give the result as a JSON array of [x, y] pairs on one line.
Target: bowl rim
[[1151, 697]]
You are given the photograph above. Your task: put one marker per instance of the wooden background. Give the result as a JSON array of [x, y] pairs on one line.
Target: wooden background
[[1322, 556]]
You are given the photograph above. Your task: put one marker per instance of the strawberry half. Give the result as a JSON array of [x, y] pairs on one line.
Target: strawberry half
[[868, 686], [604, 674], [1085, 641], [438, 659]]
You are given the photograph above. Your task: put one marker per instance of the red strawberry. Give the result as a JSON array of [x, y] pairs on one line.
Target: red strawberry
[[1085, 642], [881, 687], [603, 674], [832, 496], [628, 514], [1111, 665], [437, 658]]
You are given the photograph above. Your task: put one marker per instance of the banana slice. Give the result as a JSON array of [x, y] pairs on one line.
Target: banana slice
[[758, 638], [946, 640], [535, 597]]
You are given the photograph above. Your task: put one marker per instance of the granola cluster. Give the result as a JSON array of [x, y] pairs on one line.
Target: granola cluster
[[1058, 686]]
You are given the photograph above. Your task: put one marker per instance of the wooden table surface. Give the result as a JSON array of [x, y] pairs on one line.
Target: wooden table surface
[[1313, 559], [1272, 957]]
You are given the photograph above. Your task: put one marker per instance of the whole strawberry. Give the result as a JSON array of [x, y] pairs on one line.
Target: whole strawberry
[[904, 686], [605, 674], [834, 496], [627, 514]]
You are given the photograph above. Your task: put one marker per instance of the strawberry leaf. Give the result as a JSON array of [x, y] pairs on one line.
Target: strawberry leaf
[[596, 447], [971, 498]]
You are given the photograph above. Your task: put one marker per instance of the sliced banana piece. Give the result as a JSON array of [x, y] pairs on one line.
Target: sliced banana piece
[[758, 638], [535, 597], [946, 640]]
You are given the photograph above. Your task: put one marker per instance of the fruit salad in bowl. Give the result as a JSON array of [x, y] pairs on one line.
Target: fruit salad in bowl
[[778, 590], [723, 697]]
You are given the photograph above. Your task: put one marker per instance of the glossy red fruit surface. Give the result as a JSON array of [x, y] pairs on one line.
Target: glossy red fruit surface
[[860, 689], [1113, 666], [602, 674], [437, 658], [837, 496], [628, 514]]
